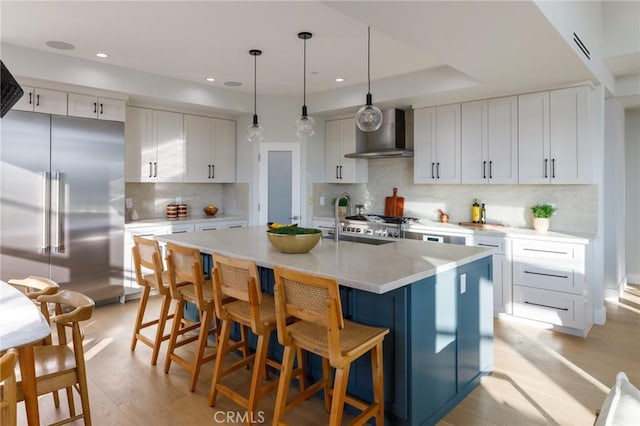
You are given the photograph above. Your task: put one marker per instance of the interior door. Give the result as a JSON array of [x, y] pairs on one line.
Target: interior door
[[279, 183]]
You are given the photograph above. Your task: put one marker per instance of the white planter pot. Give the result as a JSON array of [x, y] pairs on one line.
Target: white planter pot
[[541, 223]]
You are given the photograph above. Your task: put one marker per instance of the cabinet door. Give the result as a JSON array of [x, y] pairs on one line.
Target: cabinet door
[[424, 135], [223, 165], [448, 144], [351, 170], [534, 160], [474, 168], [502, 140], [111, 109], [50, 101], [332, 150], [198, 133], [27, 100], [169, 138], [82, 105], [140, 151], [570, 145]]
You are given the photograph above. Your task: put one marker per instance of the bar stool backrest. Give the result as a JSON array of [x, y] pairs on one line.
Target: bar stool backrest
[[184, 265], [147, 254]]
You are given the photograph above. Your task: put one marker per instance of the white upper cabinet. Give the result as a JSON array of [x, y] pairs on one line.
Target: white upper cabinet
[[154, 146], [554, 141], [437, 144], [45, 101], [96, 107], [340, 139], [490, 141], [211, 149]]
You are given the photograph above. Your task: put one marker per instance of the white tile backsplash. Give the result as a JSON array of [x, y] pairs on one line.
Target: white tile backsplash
[[506, 204]]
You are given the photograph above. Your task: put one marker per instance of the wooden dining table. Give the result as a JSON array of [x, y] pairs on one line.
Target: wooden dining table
[[22, 325]]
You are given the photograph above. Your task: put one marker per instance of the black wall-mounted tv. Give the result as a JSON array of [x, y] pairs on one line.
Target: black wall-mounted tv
[[11, 92]]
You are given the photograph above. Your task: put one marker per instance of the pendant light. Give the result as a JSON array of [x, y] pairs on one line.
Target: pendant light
[[305, 125], [255, 133], [369, 117]]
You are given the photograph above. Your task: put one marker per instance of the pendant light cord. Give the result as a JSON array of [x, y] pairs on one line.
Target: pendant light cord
[[304, 75], [255, 77], [369, 59]]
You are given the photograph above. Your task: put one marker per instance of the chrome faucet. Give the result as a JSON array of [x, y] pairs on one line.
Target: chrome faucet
[[336, 232]]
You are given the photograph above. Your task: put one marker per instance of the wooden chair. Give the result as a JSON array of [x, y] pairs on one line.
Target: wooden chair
[[238, 298], [58, 366], [184, 265], [8, 391], [147, 254], [320, 328]]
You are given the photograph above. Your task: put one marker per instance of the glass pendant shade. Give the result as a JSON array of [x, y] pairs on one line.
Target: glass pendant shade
[[255, 132], [369, 117]]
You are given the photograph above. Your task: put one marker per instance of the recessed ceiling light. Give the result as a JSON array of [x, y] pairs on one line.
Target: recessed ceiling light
[[339, 79], [60, 45], [210, 79], [232, 83], [102, 55]]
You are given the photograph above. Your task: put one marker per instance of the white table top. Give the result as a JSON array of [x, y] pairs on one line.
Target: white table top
[[376, 269], [21, 322]]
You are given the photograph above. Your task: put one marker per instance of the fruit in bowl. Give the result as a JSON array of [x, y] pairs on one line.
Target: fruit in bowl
[[210, 210], [294, 239], [275, 225]]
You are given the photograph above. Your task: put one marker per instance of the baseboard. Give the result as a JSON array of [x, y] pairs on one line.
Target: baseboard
[[633, 278]]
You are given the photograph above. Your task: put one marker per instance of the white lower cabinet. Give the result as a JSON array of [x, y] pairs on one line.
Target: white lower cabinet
[[549, 284], [502, 283], [130, 283]]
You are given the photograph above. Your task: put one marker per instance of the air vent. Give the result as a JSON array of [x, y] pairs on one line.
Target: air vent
[[581, 45]]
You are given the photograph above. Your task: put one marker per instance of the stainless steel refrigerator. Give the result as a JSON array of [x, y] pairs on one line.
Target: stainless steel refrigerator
[[62, 201]]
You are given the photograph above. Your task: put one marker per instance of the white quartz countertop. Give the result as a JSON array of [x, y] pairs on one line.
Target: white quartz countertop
[[373, 268], [191, 219]]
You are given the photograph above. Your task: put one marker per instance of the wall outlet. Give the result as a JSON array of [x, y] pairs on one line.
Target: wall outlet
[[322, 201], [128, 202]]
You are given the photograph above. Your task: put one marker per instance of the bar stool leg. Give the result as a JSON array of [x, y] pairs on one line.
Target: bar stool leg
[[206, 317], [378, 390], [162, 320], [175, 329], [339, 393], [259, 367], [283, 384], [142, 306], [302, 366], [223, 343], [328, 384]]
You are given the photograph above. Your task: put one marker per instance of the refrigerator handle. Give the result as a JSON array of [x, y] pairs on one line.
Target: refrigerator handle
[[59, 213], [46, 213]]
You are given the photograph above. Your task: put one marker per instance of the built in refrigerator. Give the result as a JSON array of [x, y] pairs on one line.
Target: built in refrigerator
[[62, 201]]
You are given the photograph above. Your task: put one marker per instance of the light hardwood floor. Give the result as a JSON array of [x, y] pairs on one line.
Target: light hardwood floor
[[540, 377]]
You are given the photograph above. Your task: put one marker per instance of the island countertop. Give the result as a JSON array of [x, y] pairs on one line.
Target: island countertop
[[372, 268]]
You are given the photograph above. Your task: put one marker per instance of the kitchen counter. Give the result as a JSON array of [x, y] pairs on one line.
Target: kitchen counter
[[163, 221], [373, 268]]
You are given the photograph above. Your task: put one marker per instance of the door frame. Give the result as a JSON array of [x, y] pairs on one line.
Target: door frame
[[263, 180]]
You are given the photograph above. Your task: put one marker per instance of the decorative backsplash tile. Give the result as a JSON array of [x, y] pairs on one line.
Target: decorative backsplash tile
[[506, 204]]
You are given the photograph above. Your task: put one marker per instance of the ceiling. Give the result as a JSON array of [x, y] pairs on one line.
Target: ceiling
[[504, 47]]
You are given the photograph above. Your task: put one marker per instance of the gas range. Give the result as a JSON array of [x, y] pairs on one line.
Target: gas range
[[376, 225]]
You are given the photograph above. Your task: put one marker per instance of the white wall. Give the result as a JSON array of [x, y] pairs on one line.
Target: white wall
[[614, 198], [632, 212]]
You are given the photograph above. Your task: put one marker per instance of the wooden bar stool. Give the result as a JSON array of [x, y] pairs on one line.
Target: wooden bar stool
[[8, 391], [147, 254], [184, 265], [238, 298], [320, 328]]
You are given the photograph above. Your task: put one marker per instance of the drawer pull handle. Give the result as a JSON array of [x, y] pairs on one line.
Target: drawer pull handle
[[545, 251], [547, 275], [546, 306], [489, 245]]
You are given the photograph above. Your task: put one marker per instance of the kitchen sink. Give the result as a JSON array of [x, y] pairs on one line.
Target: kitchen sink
[[360, 239]]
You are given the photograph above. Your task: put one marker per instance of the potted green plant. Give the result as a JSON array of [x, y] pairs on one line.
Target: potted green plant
[[541, 214], [342, 207]]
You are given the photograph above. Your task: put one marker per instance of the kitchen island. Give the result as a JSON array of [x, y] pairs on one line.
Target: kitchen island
[[436, 299]]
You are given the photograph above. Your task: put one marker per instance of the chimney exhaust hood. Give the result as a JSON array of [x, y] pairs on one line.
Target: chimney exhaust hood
[[386, 142]]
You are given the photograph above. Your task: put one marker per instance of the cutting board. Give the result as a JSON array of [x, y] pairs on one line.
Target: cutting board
[[394, 205], [483, 225]]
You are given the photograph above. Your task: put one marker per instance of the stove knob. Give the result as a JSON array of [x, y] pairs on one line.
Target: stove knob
[[358, 230]]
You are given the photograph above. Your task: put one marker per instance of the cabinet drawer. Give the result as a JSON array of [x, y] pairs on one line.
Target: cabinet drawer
[[498, 245], [548, 306], [557, 278], [543, 250]]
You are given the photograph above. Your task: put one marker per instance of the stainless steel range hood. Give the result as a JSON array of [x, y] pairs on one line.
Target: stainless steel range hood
[[386, 142]]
